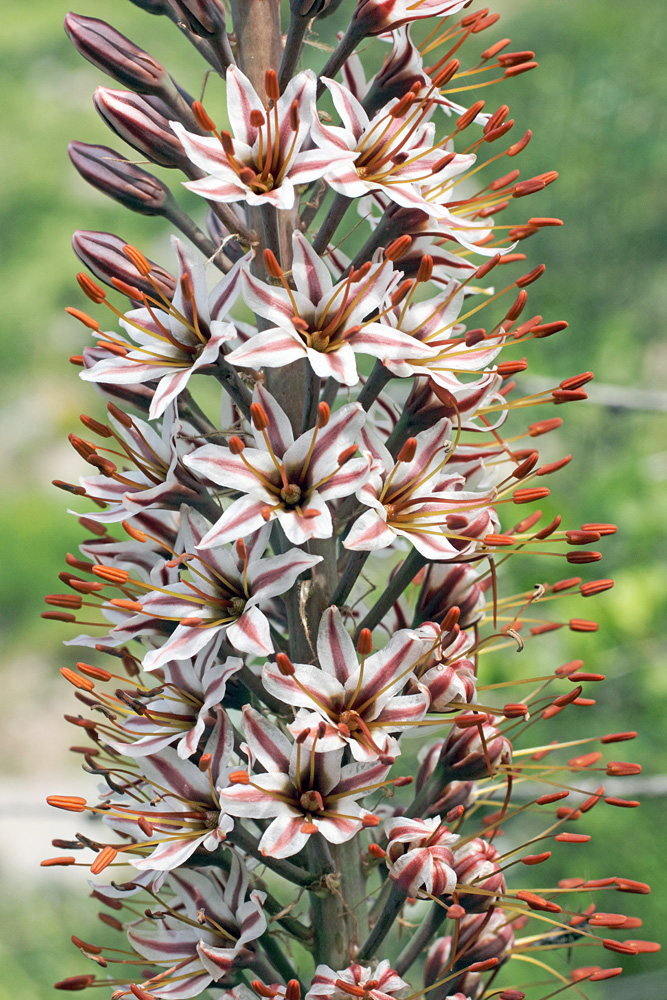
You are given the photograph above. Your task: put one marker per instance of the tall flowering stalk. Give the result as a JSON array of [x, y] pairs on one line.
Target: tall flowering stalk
[[305, 774]]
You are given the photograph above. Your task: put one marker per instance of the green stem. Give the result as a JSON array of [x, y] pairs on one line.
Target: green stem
[[402, 579]]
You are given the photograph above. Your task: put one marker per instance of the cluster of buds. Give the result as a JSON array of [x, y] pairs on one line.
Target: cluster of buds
[[278, 600]]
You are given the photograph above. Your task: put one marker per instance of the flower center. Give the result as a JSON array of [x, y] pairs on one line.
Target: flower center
[[291, 494], [319, 341], [311, 801], [351, 720]]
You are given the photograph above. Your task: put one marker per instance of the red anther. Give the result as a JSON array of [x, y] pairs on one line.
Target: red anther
[[323, 414], [350, 988], [612, 800], [257, 118], [266, 512], [455, 912], [76, 680], [576, 381], [97, 672], [515, 149], [241, 550], [530, 494], [239, 778], [582, 675], [95, 425], [454, 814], [544, 426], [308, 828], [512, 258], [470, 720], [545, 800], [365, 642], [120, 602], [621, 946], [631, 923], [536, 859], [629, 885], [515, 58], [582, 537], [568, 395], [469, 116], [259, 416], [145, 826], [528, 279], [607, 919], [496, 539], [565, 812], [572, 838], [62, 860], [621, 769], [284, 664], [445, 74], [137, 258], [497, 133], [527, 326], [361, 272], [403, 289], [515, 710], [247, 175], [482, 23], [487, 266], [203, 119], [140, 993], [293, 990], [451, 619], [572, 581], [204, 762], [585, 760], [407, 452], [618, 737], [396, 249], [271, 264], [261, 990], [602, 529], [89, 288], [271, 85], [235, 444], [595, 587], [425, 271], [584, 702], [580, 558], [524, 188], [504, 181], [522, 232], [402, 106], [471, 338], [133, 532], [112, 573], [126, 288], [511, 995], [402, 782], [77, 491], [369, 821], [541, 221], [469, 20], [58, 616], [526, 466], [545, 627], [455, 522], [83, 317], [70, 803], [521, 68], [303, 736], [376, 851], [347, 454], [495, 48], [107, 919], [294, 116], [507, 368], [528, 522], [488, 963], [643, 947], [310, 512], [103, 860], [74, 982], [567, 699], [581, 625], [442, 163], [547, 470]]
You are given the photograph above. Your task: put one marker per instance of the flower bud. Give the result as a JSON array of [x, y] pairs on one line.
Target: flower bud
[[115, 176], [143, 123], [116, 55], [203, 17], [153, 6], [102, 253]]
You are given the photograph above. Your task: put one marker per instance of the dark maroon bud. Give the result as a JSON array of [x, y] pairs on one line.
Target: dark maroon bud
[[116, 55], [154, 6], [202, 17], [143, 123], [117, 177], [102, 253]]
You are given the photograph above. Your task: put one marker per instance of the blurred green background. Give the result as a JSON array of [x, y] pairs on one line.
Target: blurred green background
[[597, 107]]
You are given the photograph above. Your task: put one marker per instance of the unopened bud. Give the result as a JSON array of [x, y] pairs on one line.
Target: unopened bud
[[115, 54], [205, 18], [117, 177], [143, 123], [103, 254]]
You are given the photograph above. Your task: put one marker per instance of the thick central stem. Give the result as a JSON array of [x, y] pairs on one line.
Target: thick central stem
[[258, 38]]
